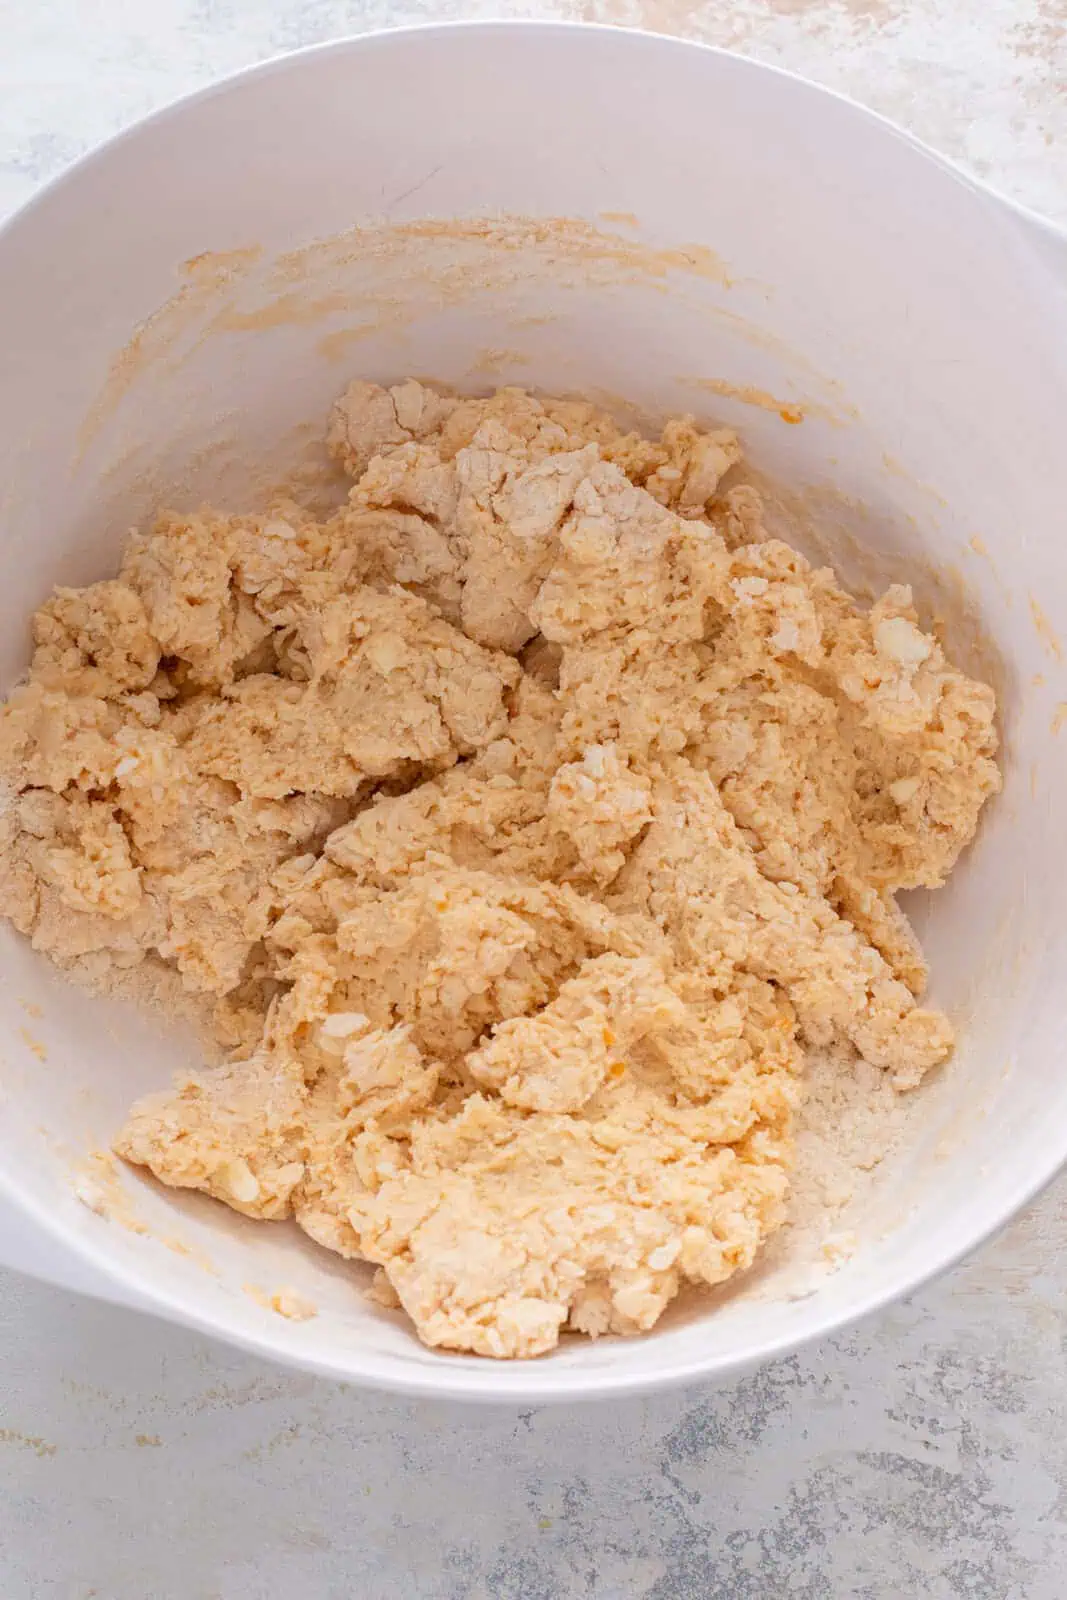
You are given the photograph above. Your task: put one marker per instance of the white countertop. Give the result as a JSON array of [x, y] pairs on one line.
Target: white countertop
[[924, 1455]]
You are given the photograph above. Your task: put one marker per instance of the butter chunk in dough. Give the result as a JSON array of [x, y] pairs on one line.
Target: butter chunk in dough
[[523, 822]]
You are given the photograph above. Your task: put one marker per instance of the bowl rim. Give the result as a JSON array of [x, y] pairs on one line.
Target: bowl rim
[[471, 1378]]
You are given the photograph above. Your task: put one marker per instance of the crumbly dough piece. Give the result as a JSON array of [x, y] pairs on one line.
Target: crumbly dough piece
[[525, 820]]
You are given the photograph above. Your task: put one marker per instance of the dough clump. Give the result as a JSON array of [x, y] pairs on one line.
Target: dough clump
[[523, 822]]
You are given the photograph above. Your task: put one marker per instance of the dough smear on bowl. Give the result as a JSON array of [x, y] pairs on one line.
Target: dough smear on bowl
[[524, 821]]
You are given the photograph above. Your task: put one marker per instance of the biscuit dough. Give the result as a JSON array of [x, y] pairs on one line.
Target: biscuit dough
[[524, 822]]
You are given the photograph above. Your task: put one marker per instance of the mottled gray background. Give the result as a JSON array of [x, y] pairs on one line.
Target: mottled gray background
[[923, 1457]]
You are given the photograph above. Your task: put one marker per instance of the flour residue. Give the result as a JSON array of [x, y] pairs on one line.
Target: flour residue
[[284, 1302], [1045, 631], [749, 395], [99, 1187], [380, 275], [205, 278]]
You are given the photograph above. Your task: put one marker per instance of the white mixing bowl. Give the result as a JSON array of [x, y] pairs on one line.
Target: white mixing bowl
[[177, 313]]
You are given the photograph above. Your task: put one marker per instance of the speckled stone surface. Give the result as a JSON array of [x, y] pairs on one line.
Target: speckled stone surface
[[924, 1455]]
